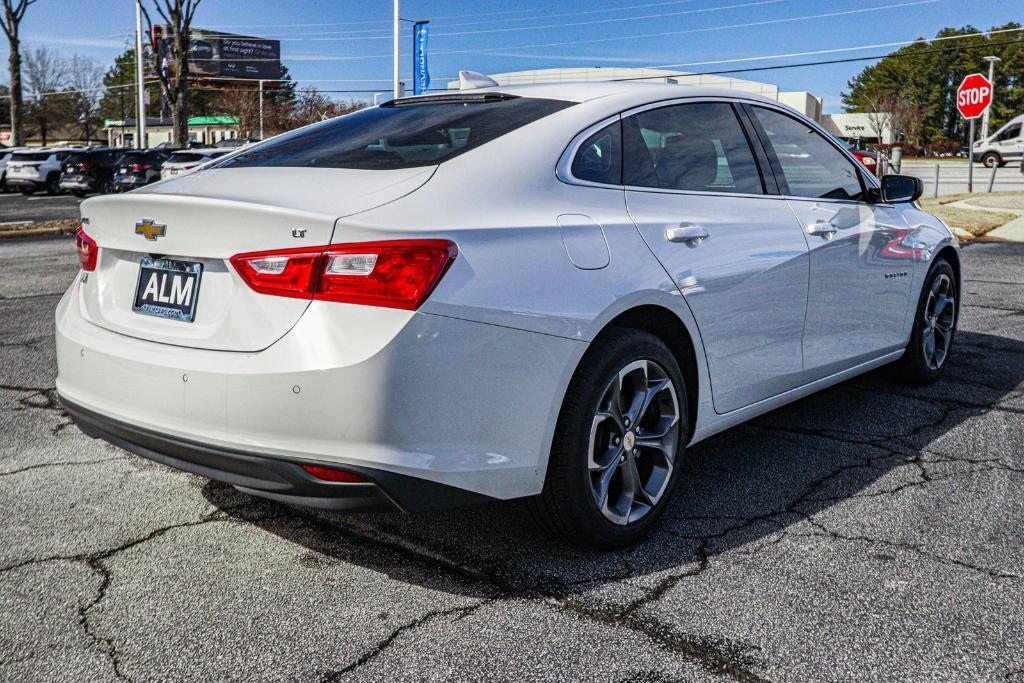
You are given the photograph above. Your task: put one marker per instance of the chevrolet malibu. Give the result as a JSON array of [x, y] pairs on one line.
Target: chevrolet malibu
[[544, 292]]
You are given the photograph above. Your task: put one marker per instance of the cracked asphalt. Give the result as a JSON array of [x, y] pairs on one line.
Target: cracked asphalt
[[870, 532]]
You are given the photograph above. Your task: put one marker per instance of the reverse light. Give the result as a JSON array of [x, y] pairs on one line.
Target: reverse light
[[337, 476], [397, 274], [88, 250]]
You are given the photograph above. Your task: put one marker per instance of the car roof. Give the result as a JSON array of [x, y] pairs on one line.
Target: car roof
[[201, 150], [583, 91]]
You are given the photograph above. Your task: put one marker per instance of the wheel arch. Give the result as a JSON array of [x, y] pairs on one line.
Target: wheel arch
[[667, 326], [950, 254]]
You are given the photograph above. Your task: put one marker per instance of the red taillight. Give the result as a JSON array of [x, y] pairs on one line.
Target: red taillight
[[140, 167], [399, 274], [331, 474], [87, 250], [289, 272], [84, 165]]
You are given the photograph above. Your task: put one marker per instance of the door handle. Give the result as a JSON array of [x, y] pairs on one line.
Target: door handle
[[822, 229], [691, 234]]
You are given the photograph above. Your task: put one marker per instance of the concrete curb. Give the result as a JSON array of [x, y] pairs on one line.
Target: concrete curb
[[35, 232]]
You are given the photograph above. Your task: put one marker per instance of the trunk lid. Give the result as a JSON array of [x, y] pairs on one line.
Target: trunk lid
[[206, 218]]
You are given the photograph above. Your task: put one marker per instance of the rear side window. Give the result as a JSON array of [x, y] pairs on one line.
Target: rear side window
[[599, 158], [699, 147], [811, 165], [402, 134]]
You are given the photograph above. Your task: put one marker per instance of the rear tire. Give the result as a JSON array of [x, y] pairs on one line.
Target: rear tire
[[931, 340], [618, 444]]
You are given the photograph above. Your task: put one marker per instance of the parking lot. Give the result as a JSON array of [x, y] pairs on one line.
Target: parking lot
[[18, 208], [870, 532]]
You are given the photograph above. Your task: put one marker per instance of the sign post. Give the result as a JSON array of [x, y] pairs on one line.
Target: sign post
[[973, 97]]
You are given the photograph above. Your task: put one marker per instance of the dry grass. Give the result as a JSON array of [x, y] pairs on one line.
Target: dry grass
[[975, 221]]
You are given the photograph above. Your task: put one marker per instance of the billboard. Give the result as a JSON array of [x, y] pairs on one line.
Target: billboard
[[223, 55]]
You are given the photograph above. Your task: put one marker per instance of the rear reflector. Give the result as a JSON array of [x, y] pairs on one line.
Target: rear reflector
[[398, 274], [87, 250], [331, 474]]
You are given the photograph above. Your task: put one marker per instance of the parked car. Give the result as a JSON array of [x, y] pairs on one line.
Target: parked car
[[139, 167], [1003, 146], [545, 291], [90, 170], [864, 156], [5, 155], [35, 169], [183, 161]]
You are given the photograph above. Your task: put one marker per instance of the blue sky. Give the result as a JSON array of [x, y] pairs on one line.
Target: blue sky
[[348, 43]]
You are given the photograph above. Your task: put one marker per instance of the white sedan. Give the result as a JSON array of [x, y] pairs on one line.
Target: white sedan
[[544, 291], [188, 160]]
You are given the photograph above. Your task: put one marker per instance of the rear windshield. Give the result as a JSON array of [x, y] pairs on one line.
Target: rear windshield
[[401, 134], [185, 158], [31, 156]]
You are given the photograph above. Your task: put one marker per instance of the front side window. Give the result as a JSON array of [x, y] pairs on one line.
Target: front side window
[[811, 166], [400, 134], [1010, 133], [699, 147], [599, 158]]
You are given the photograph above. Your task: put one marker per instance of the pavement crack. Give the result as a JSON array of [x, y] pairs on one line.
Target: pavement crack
[[459, 612], [70, 463]]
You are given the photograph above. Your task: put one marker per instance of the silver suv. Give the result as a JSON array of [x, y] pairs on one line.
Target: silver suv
[[37, 169]]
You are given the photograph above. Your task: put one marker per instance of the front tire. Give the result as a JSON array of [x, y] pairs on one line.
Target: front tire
[[618, 444], [931, 340], [991, 159]]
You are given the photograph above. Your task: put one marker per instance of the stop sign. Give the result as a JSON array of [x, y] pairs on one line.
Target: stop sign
[[973, 96]]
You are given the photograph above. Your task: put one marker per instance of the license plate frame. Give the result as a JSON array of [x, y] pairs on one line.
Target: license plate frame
[[167, 301]]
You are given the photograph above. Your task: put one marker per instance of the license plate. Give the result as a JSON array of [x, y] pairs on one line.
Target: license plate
[[168, 289]]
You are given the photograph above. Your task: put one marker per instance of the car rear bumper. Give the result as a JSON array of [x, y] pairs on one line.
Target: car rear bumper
[[25, 183], [463, 404], [274, 478], [81, 183]]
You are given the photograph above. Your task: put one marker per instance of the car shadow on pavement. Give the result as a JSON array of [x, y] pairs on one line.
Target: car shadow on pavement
[[743, 489]]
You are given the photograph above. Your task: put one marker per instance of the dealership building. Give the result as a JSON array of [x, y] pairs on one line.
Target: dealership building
[[851, 127], [203, 130]]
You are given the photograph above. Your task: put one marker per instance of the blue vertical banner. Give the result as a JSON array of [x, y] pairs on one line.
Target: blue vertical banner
[[421, 78]]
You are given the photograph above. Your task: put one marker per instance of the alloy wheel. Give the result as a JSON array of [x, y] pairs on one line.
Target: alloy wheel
[[939, 320], [633, 442]]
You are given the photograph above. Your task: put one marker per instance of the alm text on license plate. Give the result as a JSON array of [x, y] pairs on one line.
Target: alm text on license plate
[[168, 288]]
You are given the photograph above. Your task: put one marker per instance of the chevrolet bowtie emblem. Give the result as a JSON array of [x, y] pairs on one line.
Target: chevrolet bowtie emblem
[[150, 229]]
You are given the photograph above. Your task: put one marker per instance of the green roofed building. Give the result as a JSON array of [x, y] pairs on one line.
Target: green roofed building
[[205, 130]]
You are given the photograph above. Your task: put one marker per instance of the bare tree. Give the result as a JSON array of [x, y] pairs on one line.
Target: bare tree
[[14, 12], [45, 72], [86, 80], [177, 15], [878, 116]]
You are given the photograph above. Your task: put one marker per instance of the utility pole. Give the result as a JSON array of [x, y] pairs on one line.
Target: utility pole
[[991, 59], [395, 26], [140, 110]]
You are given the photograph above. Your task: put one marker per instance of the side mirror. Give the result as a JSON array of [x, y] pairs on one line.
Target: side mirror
[[901, 188]]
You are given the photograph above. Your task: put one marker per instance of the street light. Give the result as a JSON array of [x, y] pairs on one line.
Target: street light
[[991, 59]]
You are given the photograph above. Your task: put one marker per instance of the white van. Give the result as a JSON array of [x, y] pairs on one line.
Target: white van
[[1005, 145]]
